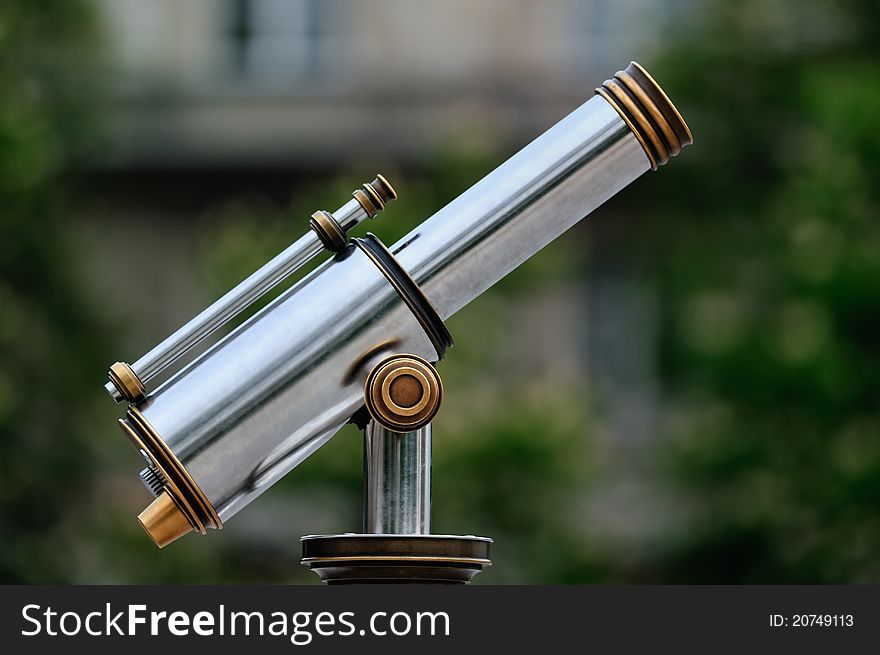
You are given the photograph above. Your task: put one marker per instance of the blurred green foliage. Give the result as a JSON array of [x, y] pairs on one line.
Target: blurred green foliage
[[48, 334], [766, 247]]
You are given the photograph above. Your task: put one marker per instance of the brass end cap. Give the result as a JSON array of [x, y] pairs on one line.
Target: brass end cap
[[127, 382], [374, 196], [649, 112], [403, 393], [164, 521], [383, 187]]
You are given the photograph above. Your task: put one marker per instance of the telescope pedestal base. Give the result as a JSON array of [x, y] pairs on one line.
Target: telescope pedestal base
[[396, 558]]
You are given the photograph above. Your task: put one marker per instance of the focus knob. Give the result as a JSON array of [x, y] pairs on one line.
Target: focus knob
[[403, 393]]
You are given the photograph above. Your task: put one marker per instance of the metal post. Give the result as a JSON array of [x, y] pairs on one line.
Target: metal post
[[397, 480], [396, 544]]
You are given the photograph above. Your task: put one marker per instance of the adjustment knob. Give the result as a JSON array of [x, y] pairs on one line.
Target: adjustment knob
[[403, 393]]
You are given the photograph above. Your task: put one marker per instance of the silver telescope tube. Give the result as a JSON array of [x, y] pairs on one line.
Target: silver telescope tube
[[256, 404]]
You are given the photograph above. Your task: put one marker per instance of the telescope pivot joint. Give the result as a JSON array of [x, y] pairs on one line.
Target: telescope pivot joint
[[403, 393]]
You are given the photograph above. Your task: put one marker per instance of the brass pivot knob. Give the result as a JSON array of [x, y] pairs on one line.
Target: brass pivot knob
[[403, 393]]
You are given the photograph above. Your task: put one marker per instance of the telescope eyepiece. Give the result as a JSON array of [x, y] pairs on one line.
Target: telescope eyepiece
[[648, 112], [374, 196], [163, 521]]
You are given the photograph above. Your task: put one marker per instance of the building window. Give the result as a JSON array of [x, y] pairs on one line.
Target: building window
[[278, 41]]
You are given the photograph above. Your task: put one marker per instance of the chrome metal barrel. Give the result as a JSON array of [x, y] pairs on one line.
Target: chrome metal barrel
[[258, 403], [541, 192]]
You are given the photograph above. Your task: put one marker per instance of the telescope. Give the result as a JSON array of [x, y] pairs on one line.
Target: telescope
[[359, 339]]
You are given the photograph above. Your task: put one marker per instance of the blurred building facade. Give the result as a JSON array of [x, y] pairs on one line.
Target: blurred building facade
[[306, 82]]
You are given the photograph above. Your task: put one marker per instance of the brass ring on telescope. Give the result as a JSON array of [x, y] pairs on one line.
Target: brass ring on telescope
[[373, 196], [649, 113], [672, 140], [661, 154], [383, 187], [408, 290], [178, 470], [329, 230], [366, 202], [182, 489], [127, 382], [170, 486], [602, 92]]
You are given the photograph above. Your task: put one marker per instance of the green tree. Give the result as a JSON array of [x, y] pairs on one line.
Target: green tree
[[48, 341], [768, 259]]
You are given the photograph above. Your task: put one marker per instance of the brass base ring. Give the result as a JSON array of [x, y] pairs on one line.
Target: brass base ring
[[396, 558]]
